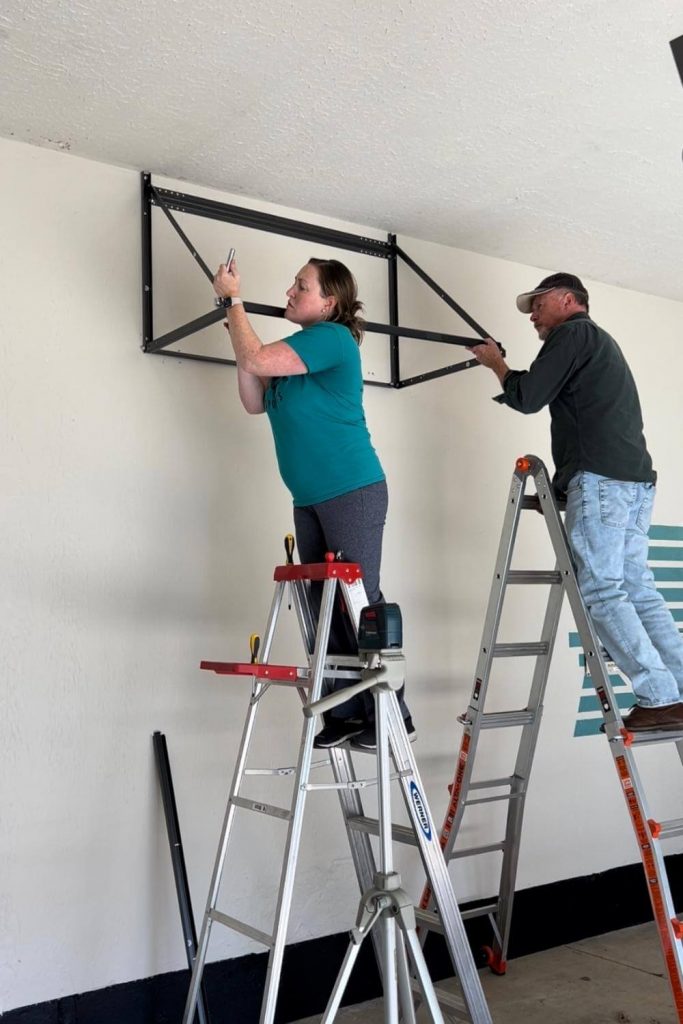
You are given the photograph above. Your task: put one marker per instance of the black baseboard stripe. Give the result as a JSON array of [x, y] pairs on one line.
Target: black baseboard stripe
[[545, 916]]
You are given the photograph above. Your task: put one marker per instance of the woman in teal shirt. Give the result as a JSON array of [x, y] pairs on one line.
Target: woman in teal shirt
[[311, 387]]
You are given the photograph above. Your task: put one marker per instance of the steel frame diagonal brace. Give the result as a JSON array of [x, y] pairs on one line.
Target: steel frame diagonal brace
[[169, 201]]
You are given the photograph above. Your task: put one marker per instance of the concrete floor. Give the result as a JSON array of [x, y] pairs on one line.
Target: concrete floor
[[616, 978]]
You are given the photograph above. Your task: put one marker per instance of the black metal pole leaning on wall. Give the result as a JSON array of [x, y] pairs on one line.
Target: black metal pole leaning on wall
[[178, 860], [169, 201]]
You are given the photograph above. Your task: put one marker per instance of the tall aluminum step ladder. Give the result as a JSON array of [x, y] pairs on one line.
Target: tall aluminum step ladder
[[392, 954], [466, 792]]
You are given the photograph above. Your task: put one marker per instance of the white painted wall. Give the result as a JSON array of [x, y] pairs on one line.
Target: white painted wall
[[141, 517]]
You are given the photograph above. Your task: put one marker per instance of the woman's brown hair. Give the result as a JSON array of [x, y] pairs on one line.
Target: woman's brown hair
[[337, 282]]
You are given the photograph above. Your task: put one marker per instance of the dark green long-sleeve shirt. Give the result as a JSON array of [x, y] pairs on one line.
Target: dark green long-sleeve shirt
[[596, 422]]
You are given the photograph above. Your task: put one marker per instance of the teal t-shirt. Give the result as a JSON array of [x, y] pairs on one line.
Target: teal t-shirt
[[321, 439]]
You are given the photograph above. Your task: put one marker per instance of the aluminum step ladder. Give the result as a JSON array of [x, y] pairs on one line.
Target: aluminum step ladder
[[466, 792], [399, 983]]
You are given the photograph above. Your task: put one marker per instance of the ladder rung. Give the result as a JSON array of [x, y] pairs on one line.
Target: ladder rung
[[400, 833], [492, 783], [474, 851], [431, 920], [534, 576], [519, 650], [669, 829], [354, 783], [242, 928], [504, 719], [642, 738], [457, 1009], [261, 808], [493, 799], [483, 911]]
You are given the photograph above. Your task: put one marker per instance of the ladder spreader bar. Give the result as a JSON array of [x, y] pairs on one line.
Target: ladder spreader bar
[[241, 927], [400, 833], [261, 808]]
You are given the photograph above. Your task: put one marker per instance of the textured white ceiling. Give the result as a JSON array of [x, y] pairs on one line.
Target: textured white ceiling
[[546, 133]]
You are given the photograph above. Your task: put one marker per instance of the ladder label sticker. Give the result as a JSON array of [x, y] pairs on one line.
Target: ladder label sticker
[[356, 599], [419, 805]]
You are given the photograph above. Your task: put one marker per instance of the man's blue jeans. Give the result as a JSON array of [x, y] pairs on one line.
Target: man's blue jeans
[[607, 523]]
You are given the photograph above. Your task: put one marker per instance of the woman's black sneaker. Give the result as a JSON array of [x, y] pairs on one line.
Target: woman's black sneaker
[[367, 740], [338, 731]]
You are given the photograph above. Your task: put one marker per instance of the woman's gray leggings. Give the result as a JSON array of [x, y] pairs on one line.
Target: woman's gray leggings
[[352, 524]]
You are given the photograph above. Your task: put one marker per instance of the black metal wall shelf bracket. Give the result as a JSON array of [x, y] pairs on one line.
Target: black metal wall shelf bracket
[[169, 201]]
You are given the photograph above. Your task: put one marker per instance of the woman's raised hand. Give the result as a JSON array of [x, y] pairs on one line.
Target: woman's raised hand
[[226, 283]]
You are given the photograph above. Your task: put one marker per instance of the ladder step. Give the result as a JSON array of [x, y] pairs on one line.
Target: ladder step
[[534, 576], [289, 675], [519, 650], [242, 928], [505, 719], [261, 808], [400, 833]]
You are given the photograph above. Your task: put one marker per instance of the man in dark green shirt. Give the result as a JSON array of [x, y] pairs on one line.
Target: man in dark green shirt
[[603, 468]]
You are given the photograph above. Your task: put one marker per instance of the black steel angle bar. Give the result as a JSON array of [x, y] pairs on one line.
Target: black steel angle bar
[[677, 50], [195, 255], [214, 210], [176, 354], [205, 320], [444, 372], [257, 308], [168, 200], [441, 293], [146, 229], [394, 347], [414, 332]]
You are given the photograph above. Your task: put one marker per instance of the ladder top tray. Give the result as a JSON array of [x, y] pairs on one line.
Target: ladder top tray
[[347, 571], [282, 673]]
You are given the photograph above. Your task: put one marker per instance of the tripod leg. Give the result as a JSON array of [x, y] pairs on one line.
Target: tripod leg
[[388, 926], [423, 978], [405, 991], [342, 980]]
